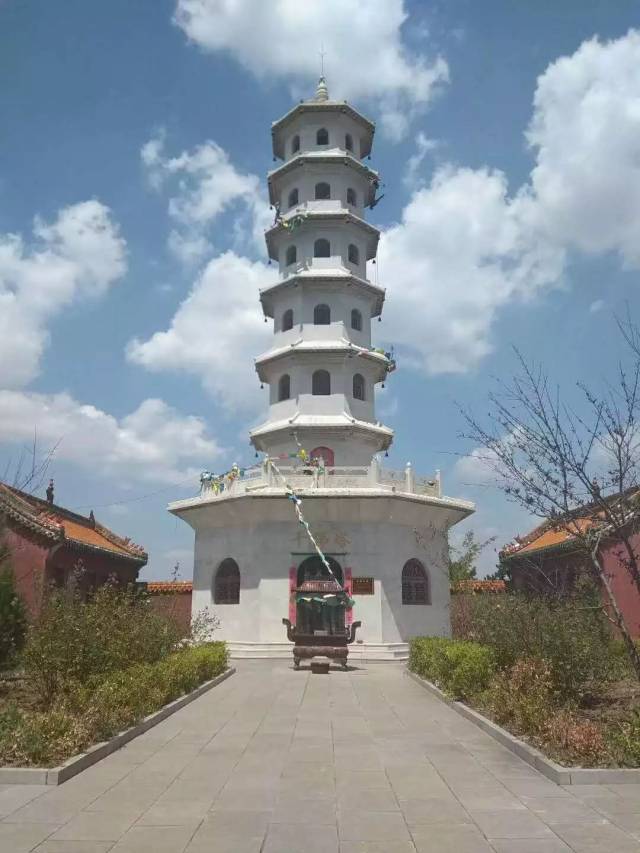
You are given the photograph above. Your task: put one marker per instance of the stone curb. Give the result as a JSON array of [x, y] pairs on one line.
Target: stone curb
[[95, 753], [556, 772]]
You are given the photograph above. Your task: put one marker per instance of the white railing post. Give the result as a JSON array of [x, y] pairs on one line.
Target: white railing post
[[269, 472], [409, 478], [374, 472], [438, 483]]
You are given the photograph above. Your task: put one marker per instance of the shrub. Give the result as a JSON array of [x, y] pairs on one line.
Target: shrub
[[460, 668], [521, 697], [13, 620], [579, 740], [103, 707], [624, 741], [75, 641], [572, 635]]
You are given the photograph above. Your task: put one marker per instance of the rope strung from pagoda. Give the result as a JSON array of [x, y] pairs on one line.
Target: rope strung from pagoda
[[297, 504]]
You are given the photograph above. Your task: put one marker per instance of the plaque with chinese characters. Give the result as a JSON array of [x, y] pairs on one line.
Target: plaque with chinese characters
[[362, 586]]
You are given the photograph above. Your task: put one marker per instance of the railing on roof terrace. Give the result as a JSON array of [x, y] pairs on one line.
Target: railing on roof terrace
[[273, 476]]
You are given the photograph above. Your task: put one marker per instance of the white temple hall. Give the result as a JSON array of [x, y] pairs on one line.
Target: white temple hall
[[383, 533]]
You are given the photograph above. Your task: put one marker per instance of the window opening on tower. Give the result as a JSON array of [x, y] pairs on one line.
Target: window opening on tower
[[295, 144], [356, 320], [287, 320], [351, 197], [358, 386], [322, 248], [321, 315], [291, 256], [293, 197], [321, 383], [284, 387], [353, 254], [323, 190], [322, 136], [348, 142]]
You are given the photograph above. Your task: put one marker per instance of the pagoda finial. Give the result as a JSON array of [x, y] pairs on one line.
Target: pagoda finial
[[322, 93]]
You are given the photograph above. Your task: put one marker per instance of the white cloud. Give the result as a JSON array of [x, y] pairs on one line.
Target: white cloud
[[424, 146], [80, 254], [205, 184], [465, 247], [153, 444], [585, 130], [282, 39], [215, 332], [596, 306]]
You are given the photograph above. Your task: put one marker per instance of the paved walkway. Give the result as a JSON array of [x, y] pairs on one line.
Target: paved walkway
[[279, 761]]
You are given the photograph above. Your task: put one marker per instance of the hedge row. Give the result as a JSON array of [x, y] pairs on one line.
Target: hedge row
[[101, 708], [460, 668]]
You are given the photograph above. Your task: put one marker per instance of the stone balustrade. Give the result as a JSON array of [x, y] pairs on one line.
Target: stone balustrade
[[274, 475]]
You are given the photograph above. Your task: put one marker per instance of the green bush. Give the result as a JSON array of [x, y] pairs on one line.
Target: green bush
[[75, 641], [13, 620], [624, 741], [460, 668], [522, 697], [572, 635], [103, 707]]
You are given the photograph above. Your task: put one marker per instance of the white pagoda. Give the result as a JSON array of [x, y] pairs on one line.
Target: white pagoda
[[384, 533]]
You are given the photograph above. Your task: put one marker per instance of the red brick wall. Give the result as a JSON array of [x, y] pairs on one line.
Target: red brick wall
[[175, 605], [624, 589], [28, 560]]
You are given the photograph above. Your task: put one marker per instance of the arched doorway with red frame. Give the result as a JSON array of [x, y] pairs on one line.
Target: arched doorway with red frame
[[324, 453]]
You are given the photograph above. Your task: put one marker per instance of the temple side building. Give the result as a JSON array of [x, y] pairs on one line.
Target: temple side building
[[383, 532]]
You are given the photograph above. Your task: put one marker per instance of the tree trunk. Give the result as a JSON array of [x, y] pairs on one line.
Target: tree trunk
[[632, 651]]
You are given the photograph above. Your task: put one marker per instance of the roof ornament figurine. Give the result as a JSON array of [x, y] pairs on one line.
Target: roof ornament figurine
[[322, 93]]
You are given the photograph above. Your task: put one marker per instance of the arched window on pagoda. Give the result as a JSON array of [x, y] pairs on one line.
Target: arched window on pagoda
[[284, 387], [415, 583], [322, 136], [321, 383], [321, 315], [348, 142], [292, 256], [323, 190], [322, 248], [356, 320], [354, 254], [226, 589], [295, 144], [293, 197], [287, 320], [351, 197], [358, 386]]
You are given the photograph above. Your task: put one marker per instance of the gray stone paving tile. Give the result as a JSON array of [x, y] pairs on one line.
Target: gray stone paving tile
[[509, 823], [225, 845], [74, 847], [293, 810], [435, 810], [362, 780], [294, 838], [587, 838], [450, 839], [234, 824], [125, 799], [531, 845], [175, 813], [629, 821], [554, 810], [13, 797], [94, 826], [377, 847], [23, 837], [154, 839], [372, 799], [372, 826]]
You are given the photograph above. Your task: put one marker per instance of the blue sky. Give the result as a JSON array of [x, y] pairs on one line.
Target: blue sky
[[136, 138]]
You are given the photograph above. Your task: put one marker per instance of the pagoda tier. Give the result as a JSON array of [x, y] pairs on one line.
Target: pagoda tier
[[322, 369]]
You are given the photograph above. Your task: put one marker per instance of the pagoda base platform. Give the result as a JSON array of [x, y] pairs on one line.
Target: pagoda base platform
[[358, 652]]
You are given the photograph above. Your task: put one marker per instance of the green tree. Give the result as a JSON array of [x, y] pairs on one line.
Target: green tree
[[13, 620], [463, 558]]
